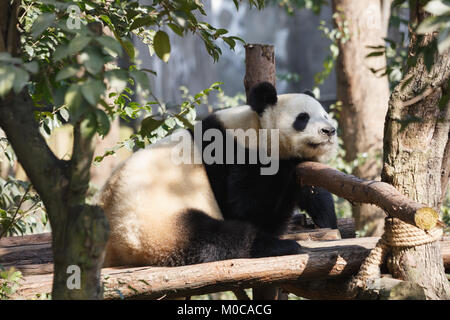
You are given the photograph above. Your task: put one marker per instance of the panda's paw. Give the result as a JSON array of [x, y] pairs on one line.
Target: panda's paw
[[271, 247]]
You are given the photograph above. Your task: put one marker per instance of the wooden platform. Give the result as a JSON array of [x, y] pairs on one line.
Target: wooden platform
[[325, 256]]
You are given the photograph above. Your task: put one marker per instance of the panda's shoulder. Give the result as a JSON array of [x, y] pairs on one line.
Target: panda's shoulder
[[239, 117]]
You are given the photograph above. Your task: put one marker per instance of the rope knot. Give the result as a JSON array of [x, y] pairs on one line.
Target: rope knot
[[396, 234]]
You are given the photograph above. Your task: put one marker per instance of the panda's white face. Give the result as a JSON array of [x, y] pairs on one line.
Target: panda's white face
[[306, 130]]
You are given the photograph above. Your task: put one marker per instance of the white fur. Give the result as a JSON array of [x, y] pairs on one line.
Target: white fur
[[295, 143], [143, 200]]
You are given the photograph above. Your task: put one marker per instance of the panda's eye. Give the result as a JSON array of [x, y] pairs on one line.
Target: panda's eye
[[301, 121]]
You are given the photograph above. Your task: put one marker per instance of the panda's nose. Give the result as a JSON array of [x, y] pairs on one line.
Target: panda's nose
[[329, 131]]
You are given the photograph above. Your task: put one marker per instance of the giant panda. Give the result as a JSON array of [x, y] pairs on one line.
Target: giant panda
[[163, 212]]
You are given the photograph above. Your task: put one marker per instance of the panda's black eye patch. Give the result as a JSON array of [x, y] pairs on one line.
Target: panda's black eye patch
[[301, 121]]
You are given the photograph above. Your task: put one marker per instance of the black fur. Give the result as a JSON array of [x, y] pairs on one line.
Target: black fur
[[262, 96], [310, 93], [212, 240], [318, 203], [260, 204], [301, 121]]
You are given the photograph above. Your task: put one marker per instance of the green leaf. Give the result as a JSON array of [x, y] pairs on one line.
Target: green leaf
[[185, 122], [106, 19], [142, 81], [73, 100], [60, 53], [220, 32], [42, 22], [103, 123], [32, 66], [89, 125], [161, 44], [175, 28], [117, 80], [437, 7], [149, 125], [429, 25], [129, 144], [77, 44], [444, 40], [111, 45], [64, 114], [92, 90], [20, 79], [142, 22], [65, 73], [7, 76], [129, 48], [231, 43], [93, 60]]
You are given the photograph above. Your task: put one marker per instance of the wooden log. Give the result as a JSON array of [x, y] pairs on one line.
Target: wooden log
[[27, 239], [384, 288], [26, 254], [36, 258], [299, 223], [32, 260], [314, 235], [378, 193], [329, 260], [323, 269]]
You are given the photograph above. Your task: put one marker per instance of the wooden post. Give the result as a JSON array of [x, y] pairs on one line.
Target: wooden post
[[260, 67]]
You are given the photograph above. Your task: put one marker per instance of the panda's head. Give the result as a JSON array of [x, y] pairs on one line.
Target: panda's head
[[306, 130]]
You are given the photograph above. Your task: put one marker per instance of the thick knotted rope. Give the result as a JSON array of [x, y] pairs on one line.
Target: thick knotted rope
[[396, 234]]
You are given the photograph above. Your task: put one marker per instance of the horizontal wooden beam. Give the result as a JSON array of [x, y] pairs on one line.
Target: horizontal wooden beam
[[338, 259], [32, 254]]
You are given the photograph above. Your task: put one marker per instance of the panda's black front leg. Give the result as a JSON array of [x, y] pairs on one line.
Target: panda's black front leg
[[319, 204], [267, 246]]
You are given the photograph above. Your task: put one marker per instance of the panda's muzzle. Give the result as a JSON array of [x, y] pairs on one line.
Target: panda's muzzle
[[328, 131]]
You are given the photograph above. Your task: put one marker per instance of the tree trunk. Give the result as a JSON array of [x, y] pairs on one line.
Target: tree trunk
[[79, 230], [364, 95], [416, 161]]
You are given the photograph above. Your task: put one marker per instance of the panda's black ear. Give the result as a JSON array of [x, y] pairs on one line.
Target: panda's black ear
[[261, 96], [309, 93]]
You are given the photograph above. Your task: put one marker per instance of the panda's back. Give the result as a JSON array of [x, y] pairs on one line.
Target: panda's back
[[144, 201]]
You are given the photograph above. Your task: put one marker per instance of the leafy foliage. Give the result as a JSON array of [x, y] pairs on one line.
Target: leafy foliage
[[21, 209], [291, 5], [73, 56], [396, 51], [445, 212], [339, 34], [9, 282], [164, 121], [438, 22], [69, 49]]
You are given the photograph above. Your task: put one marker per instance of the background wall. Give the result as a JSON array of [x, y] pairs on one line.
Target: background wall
[[299, 46]]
